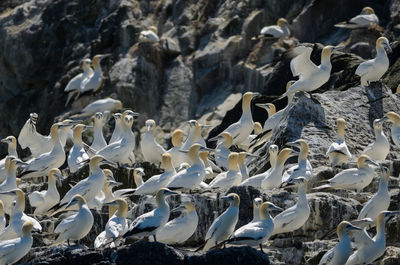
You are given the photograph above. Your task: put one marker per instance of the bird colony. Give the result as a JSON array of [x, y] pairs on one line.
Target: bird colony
[[190, 166]]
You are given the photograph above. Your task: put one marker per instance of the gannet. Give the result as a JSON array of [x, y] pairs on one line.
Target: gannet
[[303, 167], [77, 155], [372, 70], [375, 247], [364, 20], [352, 178], [242, 165], [105, 195], [180, 229], [2, 217], [156, 182], [101, 105], [296, 216], [258, 232], [94, 82], [209, 172], [75, 226], [74, 84], [341, 252], [379, 149], [15, 249], [12, 151], [192, 177], [256, 180], [273, 179], [224, 225], [151, 150], [46, 199], [150, 223], [116, 226], [257, 131], [89, 187], [18, 217], [230, 178], [394, 118], [361, 238], [222, 150], [311, 77], [116, 135], [98, 139], [121, 151], [241, 129], [338, 152], [380, 201], [138, 174], [194, 135], [149, 35], [281, 29], [178, 157], [256, 209], [41, 165]]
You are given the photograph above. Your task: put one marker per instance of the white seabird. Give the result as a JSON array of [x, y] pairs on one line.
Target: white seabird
[[311, 77], [208, 169], [118, 128], [241, 129], [366, 19], [353, 178], [341, 252], [379, 149], [18, 217], [77, 155], [74, 85], [192, 177], [230, 178], [257, 131], [138, 174], [194, 135], [372, 70], [13, 250], [338, 152], [116, 226], [149, 35], [256, 209], [303, 167], [296, 216], [273, 179], [180, 229], [12, 151], [374, 248], [157, 182], [394, 118], [75, 226], [242, 165], [178, 157], [44, 200], [101, 105], [222, 150], [151, 150], [380, 201], [256, 180], [94, 82], [258, 232], [224, 225], [281, 29], [98, 138], [150, 223]]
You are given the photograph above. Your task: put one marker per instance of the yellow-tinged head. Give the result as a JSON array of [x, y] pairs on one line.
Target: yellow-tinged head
[[383, 42], [76, 200], [282, 22], [257, 202], [10, 140], [266, 208], [166, 160], [27, 228], [363, 161], [118, 105], [368, 11], [177, 138], [289, 84], [393, 117], [345, 226], [151, 125], [203, 156], [284, 155], [122, 206], [233, 161], [241, 157], [86, 63], [340, 122], [1, 208], [77, 131], [54, 174], [227, 139], [257, 128], [247, 97], [233, 199], [154, 29]]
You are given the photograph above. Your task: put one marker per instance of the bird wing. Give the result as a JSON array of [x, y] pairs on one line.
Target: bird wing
[[365, 67], [328, 256], [364, 20], [234, 130], [74, 83], [360, 238], [286, 217], [7, 247], [274, 31], [253, 230], [301, 65], [110, 151], [123, 192], [340, 147], [29, 137], [146, 222], [82, 188], [36, 198], [66, 224], [182, 180], [272, 122]]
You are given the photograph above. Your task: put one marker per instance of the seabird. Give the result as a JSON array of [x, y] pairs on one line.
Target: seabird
[[75, 226], [258, 129], [256, 209], [256, 180], [296, 216], [74, 85], [341, 252], [224, 225], [364, 20], [151, 150], [94, 82], [380, 201], [338, 152], [222, 150], [44, 200], [353, 178], [180, 229], [379, 149], [194, 135], [138, 174], [149, 35], [157, 182], [12, 151], [13, 250], [311, 77], [118, 128], [150, 223], [101, 105], [372, 70], [178, 157], [303, 167], [281, 29], [77, 155], [242, 165], [274, 178], [230, 178], [394, 118], [116, 226], [98, 138]]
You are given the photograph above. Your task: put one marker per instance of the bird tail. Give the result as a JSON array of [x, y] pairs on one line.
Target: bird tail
[[326, 186], [347, 25]]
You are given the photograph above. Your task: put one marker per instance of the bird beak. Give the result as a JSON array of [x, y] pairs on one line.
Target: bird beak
[[112, 183], [215, 138], [338, 48], [372, 162], [387, 46], [73, 122], [275, 208], [206, 149], [20, 162], [203, 126], [352, 227], [252, 155], [256, 94], [383, 119], [135, 114], [102, 56], [178, 209], [5, 140], [262, 105], [87, 127], [110, 163], [170, 192], [9, 193], [184, 151], [226, 198], [286, 185]]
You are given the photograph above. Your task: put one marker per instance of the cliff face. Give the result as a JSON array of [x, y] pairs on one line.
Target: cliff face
[[205, 57]]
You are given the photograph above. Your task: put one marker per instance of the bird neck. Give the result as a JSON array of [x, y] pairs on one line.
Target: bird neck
[[160, 200], [97, 67], [303, 154], [340, 133], [380, 231], [95, 168], [11, 177], [12, 149], [290, 97], [194, 157], [77, 138], [326, 60], [197, 133], [342, 235], [168, 166], [301, 192], [383, 185], [380, 51], [272, 160], [138, 180], [98, 127], [246, 106], [25, 233], [122, 211], [20, 205], [233, 165]]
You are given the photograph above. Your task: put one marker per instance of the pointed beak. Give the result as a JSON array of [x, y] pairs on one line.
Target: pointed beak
[[353, 227], [338, 48], [286, 185], [170, 192], [275, 208], [215, 138], [263, 106], [87, 127], [178, 209], [226, 198], [184, 151], [387, 46], [5, 140], [252, 155], [203, 126], [372, 162], [113, 184], [110, 163], [206, 149], [20, 162], [256, 94], [149, 127]]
